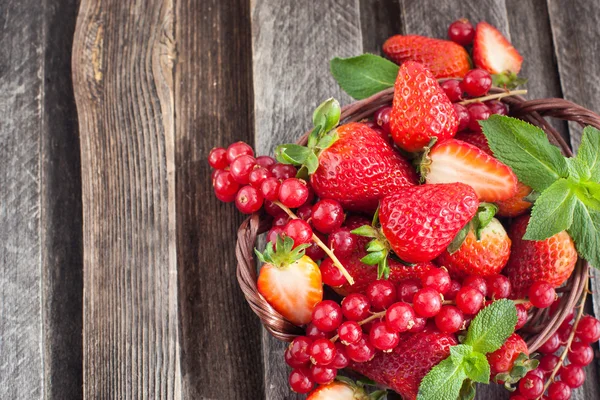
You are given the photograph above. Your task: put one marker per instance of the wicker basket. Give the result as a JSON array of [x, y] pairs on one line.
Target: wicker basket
[[540, 325]]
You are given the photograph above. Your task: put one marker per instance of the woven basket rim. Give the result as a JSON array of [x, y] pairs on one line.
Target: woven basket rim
[[540, 325]]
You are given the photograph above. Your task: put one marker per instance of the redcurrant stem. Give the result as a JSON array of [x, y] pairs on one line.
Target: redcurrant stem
[[518, 301], [493, 97], [569, 340], [322, 245], [370, 318]]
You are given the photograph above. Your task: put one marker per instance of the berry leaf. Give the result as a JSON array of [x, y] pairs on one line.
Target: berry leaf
[[492, 326], [443, 382], [477, 367], [292, 154], [364, 75], [552, 211], [327, 115], [508, 80], [459, 239], [365, 230], [526, 149], [467, 391], [585, 231], [588, 154]]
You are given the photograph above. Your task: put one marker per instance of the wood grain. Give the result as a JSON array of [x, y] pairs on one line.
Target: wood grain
[[123, 60], [576, 44], [378, 21], [40, 206], [292, 45], [221, 344]]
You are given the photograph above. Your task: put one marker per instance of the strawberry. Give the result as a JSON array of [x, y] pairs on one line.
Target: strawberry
[[443, 58], [403, 368], [338, 391], [483, 257], [289, 280], [551, 260], [513, 206], [503, 359], [457, 161], [360, 168], [517, 204], [421, 109], [419, 222], [492, 52]]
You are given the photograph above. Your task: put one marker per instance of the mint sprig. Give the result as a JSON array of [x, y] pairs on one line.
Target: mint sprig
[[467, 362], [567, 189], [364, 75], [325, 118]]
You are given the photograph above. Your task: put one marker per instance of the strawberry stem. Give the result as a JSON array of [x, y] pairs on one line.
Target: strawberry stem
[[567, 347], [322, 245], [496, 96]]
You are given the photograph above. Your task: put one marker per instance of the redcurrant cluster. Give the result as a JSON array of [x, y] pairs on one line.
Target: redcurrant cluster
[[563, 356]]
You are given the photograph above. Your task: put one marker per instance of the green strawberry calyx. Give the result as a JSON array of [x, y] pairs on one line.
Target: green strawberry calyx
[[325, 118], [359, 388], [523, 364], [454, 377], [484, 215], [567, 188], [283, 254]]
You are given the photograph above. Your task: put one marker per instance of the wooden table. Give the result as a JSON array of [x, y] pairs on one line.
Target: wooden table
[[117, 271]]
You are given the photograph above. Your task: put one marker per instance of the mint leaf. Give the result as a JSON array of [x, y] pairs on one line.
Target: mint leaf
[[585, 231], [588, 153], [526, 149], [467, 391], [443, 382], [492, 326], [327, 114], [459, 352], [477, 367], [577, 169], [552, 211], [364, 75]]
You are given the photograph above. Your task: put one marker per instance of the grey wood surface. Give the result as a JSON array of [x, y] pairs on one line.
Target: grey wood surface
[[117, 271], [40, 204]]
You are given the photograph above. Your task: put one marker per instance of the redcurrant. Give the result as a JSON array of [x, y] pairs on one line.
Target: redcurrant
[[355, 307], [283, 171], [265, 161], [299, 349], [382, 337], [321, 351], [314, 251], [572, 375], [300, 380], [551, 345], [476, 82], [581, 354], [225, 185], [436, 278], [322, 375], [450, 319], [270, 189], [461, 32], [400, 317], [427, 302], [588, 329], [531, 386], [304, 212], [330, 274], [273, 209], [257, 176], [362, 351], [542, 294], [273, 233], [498, 286], [341, 359], [327, 315], [521, 316], [291, 361], [382, 117], [342, 242], [452, 89], [548, 363], [497, 107], [419, 325], [477, 112], [327, 215], [299, 230], [469, 300], [248, 200], [453, 290], [407, 289], [350, 332], [293, 192], [217, 158], [238, 149], [559, 391], [464, 118], [241, 167], [381, 294], [315, 333], [478, 282]]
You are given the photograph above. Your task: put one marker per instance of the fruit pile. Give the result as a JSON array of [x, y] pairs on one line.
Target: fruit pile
[[439, 223]]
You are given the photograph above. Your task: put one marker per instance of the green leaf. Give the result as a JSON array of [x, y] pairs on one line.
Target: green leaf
[[477, 367], [577, 169], [589, 152], [552, 211], [459, 239], [508, 80], [526, 149], [443, 382], [459, 352], [485, 215], [383, 270], [585, 231], [292, 153], [375, 245], [373, 258], [467, 391], [311, 163], [313, 136], [492, 326], [326, 141], [365, 230], [364, 75], [327, 114]]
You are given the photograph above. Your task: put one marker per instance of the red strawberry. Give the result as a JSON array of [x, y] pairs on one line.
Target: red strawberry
[[492, 52], [403, 368], [360, 168], [516, 205], [513, 206], [338, 391], [421, 109], [419, 222], [551, 260], [503, 359], [290, 281], [483, 257], [457, 161], [443, 58]]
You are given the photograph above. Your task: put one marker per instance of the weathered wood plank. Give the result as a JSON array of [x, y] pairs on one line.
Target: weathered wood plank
[[221, 344], [123, 59], [576, 45], [292, 46], [40, 205], [378, 21]]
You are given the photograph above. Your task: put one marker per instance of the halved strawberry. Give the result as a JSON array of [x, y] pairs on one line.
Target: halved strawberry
[[492, 52], [458, 161], [338, 391], [289, 280]]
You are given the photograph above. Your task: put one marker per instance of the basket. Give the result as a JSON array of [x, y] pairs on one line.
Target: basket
[[540, 325]]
